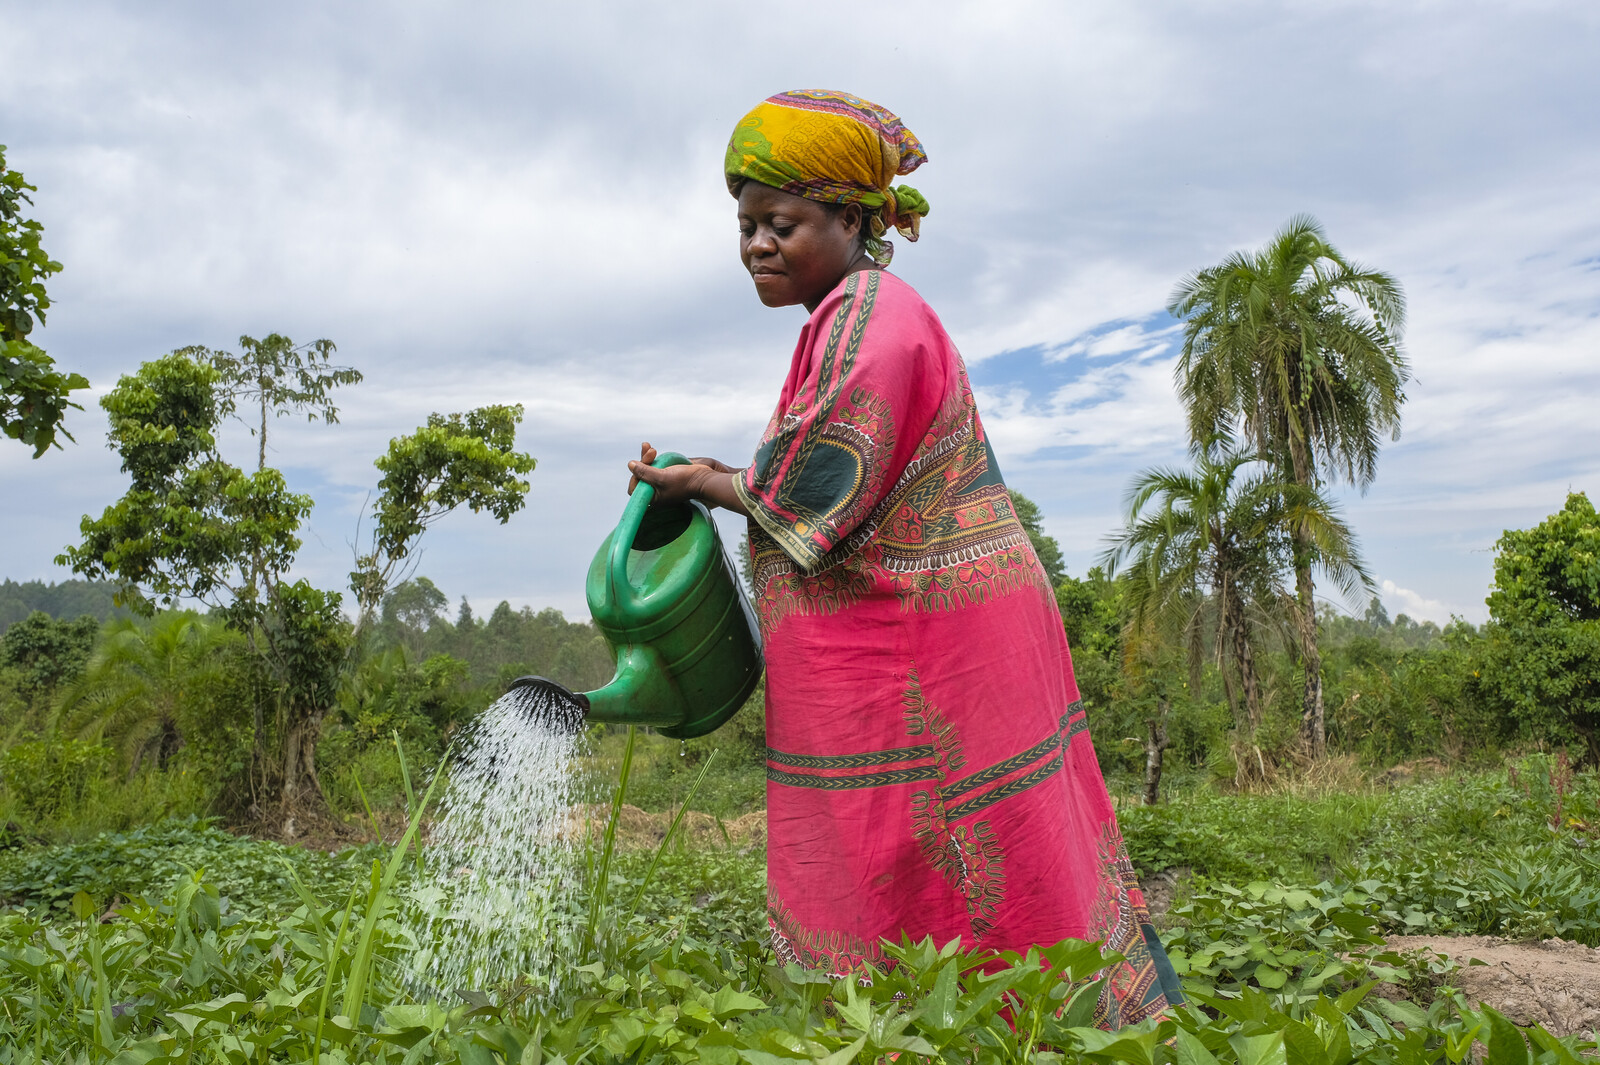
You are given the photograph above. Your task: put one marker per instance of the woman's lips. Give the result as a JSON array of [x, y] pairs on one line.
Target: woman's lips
[[765, 276]]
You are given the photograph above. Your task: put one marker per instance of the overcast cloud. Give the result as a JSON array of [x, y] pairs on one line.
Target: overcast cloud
[[519, 202]]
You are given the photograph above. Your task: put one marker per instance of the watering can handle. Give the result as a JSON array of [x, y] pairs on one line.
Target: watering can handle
[[628, 529]]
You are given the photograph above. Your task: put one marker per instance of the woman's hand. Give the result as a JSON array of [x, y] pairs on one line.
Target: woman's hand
[[720, 467], [704, 479]]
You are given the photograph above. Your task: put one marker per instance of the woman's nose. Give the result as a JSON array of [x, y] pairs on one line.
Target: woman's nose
[[762, 242]]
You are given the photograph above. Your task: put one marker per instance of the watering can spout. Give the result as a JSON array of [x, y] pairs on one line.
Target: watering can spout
[[642, 693]]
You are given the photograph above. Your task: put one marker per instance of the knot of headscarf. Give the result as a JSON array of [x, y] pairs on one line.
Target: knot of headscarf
[[834, 148]]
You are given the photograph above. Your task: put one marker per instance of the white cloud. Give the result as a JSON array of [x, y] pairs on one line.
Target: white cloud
[[522, 204], [1398, 600]]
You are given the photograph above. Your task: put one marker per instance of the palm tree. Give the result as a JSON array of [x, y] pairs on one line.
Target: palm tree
[[140, 682], [1299, 348], [1207, 560]]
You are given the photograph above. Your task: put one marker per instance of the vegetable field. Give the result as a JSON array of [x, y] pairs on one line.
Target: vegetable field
[[183, 943]]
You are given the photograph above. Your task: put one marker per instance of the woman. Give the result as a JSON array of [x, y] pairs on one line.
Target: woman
[[929, 769]]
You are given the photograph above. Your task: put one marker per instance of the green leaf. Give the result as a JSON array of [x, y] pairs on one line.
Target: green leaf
[[1506, 1043], [728, 1002], [1270, 977], [1191, 1051], [1302, 1046], [157, 1051], [938, 1010], [1354, 997], [1404, 1013], [848, 1054], [1260, 1049], [1133, 1048]]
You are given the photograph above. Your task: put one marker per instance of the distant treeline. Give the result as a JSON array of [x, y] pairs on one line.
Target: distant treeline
[[69, 599]]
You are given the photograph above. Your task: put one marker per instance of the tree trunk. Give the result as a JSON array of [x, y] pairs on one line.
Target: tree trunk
[[1244, 657], [1155, 744], [1229, 690], [1313, 719], [300, 783], [261, 459]]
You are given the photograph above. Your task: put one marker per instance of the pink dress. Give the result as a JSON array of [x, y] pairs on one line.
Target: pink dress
[[929, 770]]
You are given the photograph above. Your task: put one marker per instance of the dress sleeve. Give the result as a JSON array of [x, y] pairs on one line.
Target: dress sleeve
[[825, 458]]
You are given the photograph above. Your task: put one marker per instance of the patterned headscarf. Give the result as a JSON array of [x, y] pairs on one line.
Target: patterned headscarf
[[834, 148]]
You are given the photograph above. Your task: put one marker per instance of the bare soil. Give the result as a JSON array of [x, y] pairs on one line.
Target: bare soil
[[314, 828], [638, 828], [1553, 982]]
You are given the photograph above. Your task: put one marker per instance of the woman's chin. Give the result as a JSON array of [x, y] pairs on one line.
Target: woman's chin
[[775, 296]]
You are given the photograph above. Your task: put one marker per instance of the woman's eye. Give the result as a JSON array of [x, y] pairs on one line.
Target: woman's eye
[[783, 231]]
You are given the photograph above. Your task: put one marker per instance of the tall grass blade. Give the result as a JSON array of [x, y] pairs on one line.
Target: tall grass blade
[[332, 971], [601, 886], [378, 899], [672, 829], [372, 818], [405, 772]]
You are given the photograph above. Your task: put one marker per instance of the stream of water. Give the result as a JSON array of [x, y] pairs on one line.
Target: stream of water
[[500, 867]]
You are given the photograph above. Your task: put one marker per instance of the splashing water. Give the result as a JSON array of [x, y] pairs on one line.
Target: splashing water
[[490, 907]]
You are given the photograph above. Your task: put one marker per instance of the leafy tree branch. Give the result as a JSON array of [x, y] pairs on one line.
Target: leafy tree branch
[[33, 393]]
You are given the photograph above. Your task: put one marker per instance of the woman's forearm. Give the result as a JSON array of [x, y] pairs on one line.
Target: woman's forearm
[[717, 491]]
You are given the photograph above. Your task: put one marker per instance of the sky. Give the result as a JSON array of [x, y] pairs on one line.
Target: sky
[[491, 203]]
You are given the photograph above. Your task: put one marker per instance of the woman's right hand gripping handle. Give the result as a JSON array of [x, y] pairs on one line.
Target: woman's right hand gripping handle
[[705, 479]]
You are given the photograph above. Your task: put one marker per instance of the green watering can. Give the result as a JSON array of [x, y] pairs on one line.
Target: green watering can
[[666, 598]]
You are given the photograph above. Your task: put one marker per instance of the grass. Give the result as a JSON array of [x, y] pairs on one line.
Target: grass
[[254, 952]]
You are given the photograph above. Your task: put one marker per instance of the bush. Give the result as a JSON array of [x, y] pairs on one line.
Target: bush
[[49, 778], [1541, 659]]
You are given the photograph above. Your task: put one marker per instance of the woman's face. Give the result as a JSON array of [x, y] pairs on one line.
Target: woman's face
[[795, 249]]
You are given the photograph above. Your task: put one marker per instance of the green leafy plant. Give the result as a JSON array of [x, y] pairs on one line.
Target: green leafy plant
[[33, 393]]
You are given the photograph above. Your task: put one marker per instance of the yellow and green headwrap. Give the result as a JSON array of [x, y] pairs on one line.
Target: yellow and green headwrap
[[834, 148]]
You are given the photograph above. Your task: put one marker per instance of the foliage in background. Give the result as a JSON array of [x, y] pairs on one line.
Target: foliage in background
[[454, 461], [1206, 564], [1297, 349], [60, 600], [33, 393], [1542, 653], [44, 653], [191, 525], [279, 377], [1045, 547], [149, 686]]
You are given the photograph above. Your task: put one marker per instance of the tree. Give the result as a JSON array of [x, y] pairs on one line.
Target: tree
[[279, 377], [1299, 348], [142, 682], [1541, 663], [1207, 561], [1045, 548], [190, 525], [33, 393], [47, 653], [454, 461], [410, 610], [193, 526]]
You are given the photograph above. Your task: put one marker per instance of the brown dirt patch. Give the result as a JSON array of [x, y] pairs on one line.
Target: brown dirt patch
[[316, 829], [638, 829], [1553, 983]]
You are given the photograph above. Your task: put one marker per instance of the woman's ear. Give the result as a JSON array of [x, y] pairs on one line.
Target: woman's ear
[[854, 220]]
